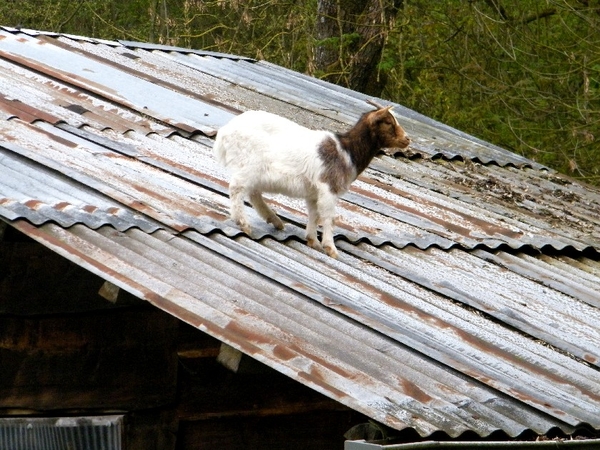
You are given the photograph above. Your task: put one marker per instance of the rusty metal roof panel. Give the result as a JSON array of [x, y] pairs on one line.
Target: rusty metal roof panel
[[116, 85], [542, 204], [33, 96], [433, 138], [430, 137], [315, 332], [170, 48], [465, 296], [519, 297], [381, 206], [40, 195], [175, 201]]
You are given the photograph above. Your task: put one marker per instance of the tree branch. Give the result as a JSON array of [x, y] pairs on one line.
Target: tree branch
[[538, 16], [495, 5]]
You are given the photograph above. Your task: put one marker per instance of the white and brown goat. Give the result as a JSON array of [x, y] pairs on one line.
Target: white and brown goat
[[268, 153]]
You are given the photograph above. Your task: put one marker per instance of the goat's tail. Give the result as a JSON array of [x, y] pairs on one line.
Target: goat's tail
[[219, 149]]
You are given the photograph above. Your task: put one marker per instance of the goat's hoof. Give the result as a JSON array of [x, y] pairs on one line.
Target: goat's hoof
[[245, 227], [331, 251], [276, 221], [314, 243]]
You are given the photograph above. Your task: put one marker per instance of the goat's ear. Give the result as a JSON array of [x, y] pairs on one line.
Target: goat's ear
[[382, 112]]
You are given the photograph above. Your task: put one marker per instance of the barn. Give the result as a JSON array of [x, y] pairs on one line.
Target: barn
[[134, 314]]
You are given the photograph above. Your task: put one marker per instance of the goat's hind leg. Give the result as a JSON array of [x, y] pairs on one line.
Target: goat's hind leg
[[264, 211], [237, 193]]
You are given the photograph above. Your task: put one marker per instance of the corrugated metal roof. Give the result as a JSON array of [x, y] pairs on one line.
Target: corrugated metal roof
[[466, 293]]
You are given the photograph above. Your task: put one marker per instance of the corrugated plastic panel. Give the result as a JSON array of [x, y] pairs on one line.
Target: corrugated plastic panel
[[465, 296]]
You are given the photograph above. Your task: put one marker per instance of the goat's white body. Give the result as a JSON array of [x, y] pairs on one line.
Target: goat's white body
[[273, 154], [268, 153]]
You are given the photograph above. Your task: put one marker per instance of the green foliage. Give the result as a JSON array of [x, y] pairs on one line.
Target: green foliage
[[519, 73], [524, 74], [346, 40]]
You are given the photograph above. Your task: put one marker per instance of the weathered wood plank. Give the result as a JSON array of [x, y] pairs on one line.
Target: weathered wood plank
[[35, 280], [118, 360]]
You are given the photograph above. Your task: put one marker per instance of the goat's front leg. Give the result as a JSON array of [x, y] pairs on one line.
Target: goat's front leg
[[237, 192], [264, 211], [311, 227], [326, 210]]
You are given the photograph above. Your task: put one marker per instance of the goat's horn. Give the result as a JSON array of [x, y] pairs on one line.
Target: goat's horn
[[374, 103]]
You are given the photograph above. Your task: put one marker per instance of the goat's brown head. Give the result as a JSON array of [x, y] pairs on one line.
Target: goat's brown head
[[386, 129]]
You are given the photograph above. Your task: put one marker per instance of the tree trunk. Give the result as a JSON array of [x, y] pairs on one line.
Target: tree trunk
[[351, 36]]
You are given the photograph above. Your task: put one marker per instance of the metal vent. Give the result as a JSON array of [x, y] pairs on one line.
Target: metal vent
[[62, 433]]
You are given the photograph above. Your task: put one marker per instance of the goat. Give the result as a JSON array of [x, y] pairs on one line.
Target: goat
[[268, 153]]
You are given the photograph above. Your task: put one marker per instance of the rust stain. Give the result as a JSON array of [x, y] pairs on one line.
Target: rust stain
[[247, 334], [514, 360], [139, 206], [56, 138], [152, 193], [7, 137], [281, 352], [90, 209], [317, 377], [143, 75], [61, 206], [66, 77], [328, 365], [399, 304], [33, 204], [194, 209], [414, 391], [528, 399], [26, 112], [183, 126], [489, 228], [186, 169]]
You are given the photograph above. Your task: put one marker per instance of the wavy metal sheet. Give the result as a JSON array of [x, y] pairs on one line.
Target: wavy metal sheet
[[380, 208], [169, 48], [430, 137], [465, 297], [321, 332], [113, 84]]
